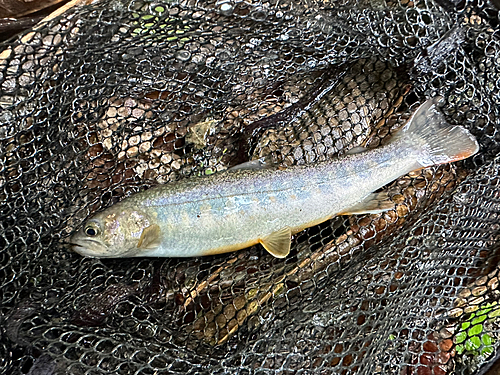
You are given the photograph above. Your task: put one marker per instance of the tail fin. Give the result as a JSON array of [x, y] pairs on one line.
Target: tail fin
[[438, 141]]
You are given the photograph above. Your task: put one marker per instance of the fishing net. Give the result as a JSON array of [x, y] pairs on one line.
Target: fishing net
[[113, 97]]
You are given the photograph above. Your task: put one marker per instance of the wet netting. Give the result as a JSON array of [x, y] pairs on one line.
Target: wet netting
[[113, 97]]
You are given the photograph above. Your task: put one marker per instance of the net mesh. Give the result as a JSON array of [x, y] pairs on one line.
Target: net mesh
[[117, 96]]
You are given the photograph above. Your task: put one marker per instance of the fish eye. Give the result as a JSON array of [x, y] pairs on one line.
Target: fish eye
[[91, 230]]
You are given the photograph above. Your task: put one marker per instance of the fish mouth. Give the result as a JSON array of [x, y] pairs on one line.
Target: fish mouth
[[82, 250], [90, 248]]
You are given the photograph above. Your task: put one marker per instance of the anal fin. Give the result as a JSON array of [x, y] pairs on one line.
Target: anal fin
[[374, 203], [278, 243]]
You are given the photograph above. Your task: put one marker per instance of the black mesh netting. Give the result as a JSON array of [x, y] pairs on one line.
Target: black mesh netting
[[116, 96]]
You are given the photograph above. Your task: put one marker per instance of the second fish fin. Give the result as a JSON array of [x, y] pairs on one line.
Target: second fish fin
[[278, 243], [374, 203], [150, 237]]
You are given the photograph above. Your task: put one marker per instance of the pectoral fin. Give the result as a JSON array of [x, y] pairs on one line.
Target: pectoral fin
[[278, 243], [150, 237], [375, 203]]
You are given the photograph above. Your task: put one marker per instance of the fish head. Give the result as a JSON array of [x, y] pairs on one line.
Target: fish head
[[113, 233]]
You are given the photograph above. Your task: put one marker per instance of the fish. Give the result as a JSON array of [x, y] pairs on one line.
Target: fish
[[257, 203]]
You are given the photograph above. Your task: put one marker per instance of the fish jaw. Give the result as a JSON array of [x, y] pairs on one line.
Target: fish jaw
[[88, 248], [82, 250], [95, 249]]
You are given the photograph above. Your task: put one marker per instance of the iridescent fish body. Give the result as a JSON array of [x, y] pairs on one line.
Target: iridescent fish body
[[235, 209]]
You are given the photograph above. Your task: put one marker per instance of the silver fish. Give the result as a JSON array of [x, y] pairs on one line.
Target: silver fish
[[239, 208]]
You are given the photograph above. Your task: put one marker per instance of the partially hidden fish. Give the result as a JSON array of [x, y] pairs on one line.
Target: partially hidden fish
[[239, 208]]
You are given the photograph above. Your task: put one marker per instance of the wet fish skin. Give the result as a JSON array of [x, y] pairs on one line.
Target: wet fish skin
[[236, 209]]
